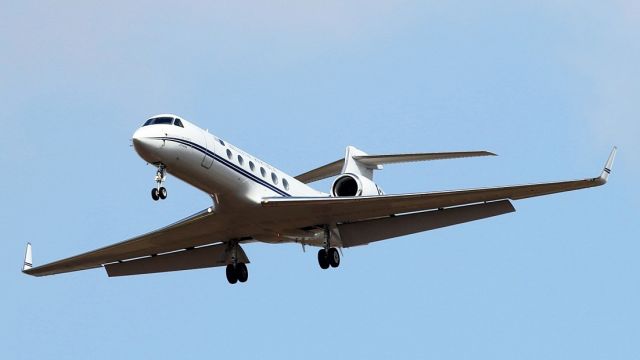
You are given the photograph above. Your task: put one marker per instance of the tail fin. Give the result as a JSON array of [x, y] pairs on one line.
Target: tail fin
[[28, 259], [353, 164]]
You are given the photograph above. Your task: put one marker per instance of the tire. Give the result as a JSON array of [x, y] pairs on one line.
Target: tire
[[232, 278], [242, 273], [162, 193], [154, 194], [333, 257], [323, 259]]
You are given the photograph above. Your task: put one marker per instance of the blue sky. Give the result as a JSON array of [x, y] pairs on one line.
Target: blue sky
[[550, 86]]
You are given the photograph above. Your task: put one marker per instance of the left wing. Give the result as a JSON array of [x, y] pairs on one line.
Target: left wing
[[327, 210]]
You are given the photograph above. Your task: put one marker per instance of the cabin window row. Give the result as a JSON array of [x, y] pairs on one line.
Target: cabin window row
[[263, 172]]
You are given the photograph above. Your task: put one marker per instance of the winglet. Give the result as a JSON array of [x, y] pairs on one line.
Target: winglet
[[607, 167], [28, 259]]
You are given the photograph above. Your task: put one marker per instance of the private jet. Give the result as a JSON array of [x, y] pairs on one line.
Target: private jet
[[253, 201]]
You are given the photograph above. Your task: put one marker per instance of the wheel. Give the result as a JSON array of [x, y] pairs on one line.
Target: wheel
[[334, 257], [232, 278], [242, 273], [154, 194], [162, 193], [323, 259]]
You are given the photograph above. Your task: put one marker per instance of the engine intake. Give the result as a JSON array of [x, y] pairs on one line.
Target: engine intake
[[354, 185], [347, 185]]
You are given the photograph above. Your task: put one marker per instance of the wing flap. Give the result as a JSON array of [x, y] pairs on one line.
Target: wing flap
[[199, 258], [365, 232]]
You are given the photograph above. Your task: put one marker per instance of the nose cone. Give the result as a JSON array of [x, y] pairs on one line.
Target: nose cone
[[146, 146]]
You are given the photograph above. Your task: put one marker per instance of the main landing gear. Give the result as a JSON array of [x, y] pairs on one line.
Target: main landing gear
[[236, 271], [159, 192], [329, 256]]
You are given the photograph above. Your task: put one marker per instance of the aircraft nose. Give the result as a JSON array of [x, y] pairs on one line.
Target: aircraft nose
[[145, 146]]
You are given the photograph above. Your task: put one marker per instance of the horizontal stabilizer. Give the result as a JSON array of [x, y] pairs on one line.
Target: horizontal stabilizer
[[364, 232], [199, 258], [373, 161]]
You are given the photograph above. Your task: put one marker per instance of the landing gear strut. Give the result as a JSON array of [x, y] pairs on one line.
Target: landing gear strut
[[159, 192], [328, 257]]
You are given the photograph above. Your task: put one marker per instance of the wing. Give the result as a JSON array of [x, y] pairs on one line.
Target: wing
[[327, 210], [335, 167], [205, 227]]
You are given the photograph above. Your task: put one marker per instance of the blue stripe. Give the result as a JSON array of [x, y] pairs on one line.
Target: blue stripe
[[227, 163]]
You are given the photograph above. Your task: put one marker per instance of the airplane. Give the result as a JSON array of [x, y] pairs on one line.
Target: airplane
[[253, 201]]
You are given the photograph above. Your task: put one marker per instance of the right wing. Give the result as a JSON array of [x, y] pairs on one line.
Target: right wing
[[205, 227]]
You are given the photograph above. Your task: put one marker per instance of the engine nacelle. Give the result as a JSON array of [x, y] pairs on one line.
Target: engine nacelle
[[354, 185]]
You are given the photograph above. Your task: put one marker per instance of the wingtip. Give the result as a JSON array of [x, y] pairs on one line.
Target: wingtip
[[28, 259], [608, 166]]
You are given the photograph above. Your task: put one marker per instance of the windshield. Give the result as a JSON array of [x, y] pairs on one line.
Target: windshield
[[159, 121]]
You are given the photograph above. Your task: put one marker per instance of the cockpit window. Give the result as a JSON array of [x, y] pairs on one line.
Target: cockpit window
[[178, 123], [159, 121]]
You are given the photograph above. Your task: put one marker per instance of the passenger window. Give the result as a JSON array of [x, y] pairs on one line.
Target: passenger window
[[252, 165], [229, 154], [240, 160], [274, 178], [263, 172], [285, 183], [178, 123]]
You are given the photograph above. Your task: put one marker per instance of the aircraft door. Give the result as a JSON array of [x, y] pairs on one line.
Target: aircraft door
[[209, 143]]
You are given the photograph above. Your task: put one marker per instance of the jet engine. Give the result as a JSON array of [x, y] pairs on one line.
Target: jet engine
[[354, 185]]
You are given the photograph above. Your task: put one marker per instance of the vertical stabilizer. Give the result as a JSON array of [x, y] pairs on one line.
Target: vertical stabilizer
[[28, 258], [353, 166]]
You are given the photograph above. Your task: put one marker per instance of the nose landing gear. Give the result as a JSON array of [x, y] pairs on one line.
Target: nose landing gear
[[159, 192]]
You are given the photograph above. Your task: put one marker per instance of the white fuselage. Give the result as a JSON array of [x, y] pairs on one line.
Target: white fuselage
[[199, 158]]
